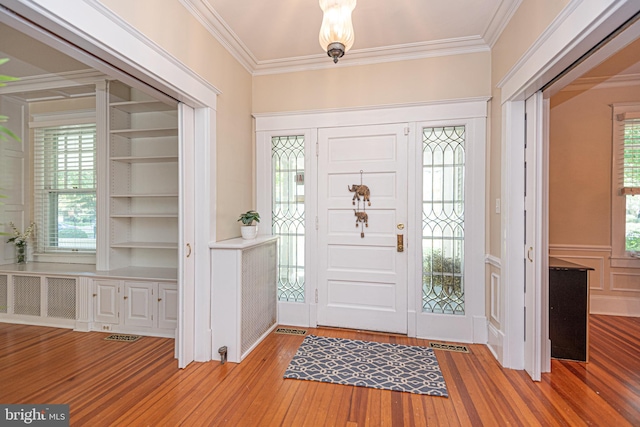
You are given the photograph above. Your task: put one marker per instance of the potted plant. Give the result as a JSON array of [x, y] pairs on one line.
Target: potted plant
[[248, 229]]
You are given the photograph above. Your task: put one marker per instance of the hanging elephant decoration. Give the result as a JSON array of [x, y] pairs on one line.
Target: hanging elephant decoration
[[361, 194]]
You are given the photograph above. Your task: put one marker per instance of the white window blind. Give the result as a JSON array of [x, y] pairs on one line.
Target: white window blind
[[630, 157], [65, 188]]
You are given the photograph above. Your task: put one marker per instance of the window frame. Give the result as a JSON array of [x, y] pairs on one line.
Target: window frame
[[620, 257], [50, 120]]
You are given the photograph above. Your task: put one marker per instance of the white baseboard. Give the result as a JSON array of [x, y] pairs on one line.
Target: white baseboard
[[614, 305], [496, 342]]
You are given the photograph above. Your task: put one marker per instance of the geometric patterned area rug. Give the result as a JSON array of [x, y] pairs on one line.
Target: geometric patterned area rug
[[384, 366]]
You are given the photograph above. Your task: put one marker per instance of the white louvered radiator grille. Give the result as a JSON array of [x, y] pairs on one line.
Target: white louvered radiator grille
[[259, 293], [56, 300], [61, 297], [26, 295], [4, 289]]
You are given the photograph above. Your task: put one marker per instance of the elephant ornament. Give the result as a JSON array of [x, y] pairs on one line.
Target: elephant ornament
[[361, 217], [360, 191]]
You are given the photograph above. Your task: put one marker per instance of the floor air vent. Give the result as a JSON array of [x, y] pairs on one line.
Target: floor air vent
[[449, 347], [122, 338], [290, 331]]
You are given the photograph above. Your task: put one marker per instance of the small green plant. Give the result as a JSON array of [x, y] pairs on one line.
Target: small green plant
[[249, 217]]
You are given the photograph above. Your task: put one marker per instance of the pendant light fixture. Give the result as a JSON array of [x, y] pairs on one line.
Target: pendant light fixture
[[336, 32]]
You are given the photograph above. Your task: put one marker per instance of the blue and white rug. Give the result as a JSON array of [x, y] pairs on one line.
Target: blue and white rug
[[368, 364]]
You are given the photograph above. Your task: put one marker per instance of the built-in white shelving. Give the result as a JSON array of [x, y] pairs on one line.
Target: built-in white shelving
[[143, 170]]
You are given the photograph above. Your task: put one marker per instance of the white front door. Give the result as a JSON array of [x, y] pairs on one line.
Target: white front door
[[362, 277]]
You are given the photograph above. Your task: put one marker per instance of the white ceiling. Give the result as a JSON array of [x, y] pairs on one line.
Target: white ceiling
[[269, 36]]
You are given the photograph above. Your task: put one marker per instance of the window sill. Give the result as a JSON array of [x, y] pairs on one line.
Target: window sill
[[625, 262], [65, 258]]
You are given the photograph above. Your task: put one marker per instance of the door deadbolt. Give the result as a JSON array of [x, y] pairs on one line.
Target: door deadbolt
[[400, 226]]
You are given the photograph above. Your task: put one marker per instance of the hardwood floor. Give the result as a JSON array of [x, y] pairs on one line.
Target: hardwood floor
[[137, 384]]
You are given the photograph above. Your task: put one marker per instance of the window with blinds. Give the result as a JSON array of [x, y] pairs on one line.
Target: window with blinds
[[627, 179], [65, 188]]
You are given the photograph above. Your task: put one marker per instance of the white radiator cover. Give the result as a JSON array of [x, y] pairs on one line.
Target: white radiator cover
[[244, 294], [39, 300]]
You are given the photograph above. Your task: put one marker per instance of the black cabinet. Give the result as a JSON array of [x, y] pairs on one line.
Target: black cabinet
[[568, 310]]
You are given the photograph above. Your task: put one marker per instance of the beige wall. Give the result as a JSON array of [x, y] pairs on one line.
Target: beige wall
[[580, 149], [524, 28], [421, 80], [173, 28]]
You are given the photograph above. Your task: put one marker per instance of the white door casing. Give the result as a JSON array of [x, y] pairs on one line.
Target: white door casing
[[111, 45], [468, 112], [362, 281]]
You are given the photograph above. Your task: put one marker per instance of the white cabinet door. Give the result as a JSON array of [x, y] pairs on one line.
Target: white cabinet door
[[167, 306], [138, 304], [106, 301]]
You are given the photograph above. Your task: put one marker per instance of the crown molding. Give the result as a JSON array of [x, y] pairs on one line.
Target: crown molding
[[395, 53], [503, 15], [216, 26]]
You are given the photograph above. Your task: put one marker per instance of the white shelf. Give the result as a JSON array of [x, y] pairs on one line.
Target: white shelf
[[143, 175], [144, 215], [146, 245], [145, 159], [146, 195], [142, 106], [145, 133], [56, 269]]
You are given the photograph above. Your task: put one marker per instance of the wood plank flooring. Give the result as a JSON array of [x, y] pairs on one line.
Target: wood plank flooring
[[138, 384]]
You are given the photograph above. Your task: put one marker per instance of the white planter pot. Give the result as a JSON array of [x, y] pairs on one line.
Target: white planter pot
[[249, 232]]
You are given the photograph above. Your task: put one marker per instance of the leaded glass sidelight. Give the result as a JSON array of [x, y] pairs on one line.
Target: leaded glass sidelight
[[443, 219], [287, 160]]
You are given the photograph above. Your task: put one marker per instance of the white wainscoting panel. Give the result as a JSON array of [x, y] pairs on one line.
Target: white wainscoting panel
[[625, 281], [495, 297]]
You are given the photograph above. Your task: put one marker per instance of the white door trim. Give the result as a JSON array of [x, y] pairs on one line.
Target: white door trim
[[112, 46], [581, 25], [304, 122]]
